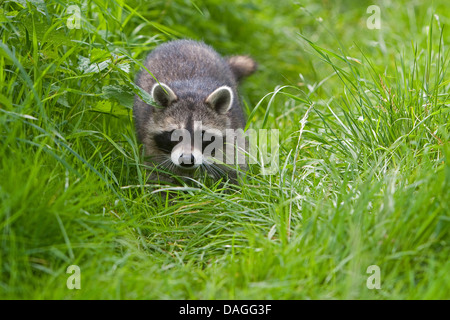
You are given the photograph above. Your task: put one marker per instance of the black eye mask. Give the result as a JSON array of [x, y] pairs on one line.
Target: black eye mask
[[164, 142]]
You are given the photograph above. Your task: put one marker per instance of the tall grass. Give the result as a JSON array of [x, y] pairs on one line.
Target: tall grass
[[363, 174]]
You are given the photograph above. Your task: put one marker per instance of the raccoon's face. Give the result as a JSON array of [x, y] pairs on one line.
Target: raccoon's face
[[188, 133]]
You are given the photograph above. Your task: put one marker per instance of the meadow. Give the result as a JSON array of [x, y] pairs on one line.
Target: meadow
[[363, 177]]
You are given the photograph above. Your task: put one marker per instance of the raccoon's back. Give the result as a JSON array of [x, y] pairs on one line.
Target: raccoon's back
[[183, 60]]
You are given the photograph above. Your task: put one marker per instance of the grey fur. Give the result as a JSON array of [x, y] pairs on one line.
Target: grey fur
[[193, 71]]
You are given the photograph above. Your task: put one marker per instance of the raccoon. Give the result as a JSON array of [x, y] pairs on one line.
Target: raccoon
[[195, 92]]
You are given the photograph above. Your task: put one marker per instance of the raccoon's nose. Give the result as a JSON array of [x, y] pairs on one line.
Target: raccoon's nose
[[187, 160]]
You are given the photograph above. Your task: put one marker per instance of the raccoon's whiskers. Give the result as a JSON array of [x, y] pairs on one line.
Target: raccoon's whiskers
[[165, 164], [215, 171], [159, 157], [206, 170], [218, 169]]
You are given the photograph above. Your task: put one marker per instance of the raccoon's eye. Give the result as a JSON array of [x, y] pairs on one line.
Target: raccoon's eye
[[164, 141], [206, 141]]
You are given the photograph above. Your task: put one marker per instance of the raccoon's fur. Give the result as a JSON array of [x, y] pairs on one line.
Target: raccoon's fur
[[189, 83]]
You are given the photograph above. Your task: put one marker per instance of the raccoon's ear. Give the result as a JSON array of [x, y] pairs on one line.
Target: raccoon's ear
[[163, 95], [221, 99]]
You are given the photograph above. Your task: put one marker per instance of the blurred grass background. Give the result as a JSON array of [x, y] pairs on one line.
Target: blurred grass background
[[363, 179]]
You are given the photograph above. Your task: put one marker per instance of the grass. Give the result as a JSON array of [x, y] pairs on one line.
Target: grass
[[363, 174]]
